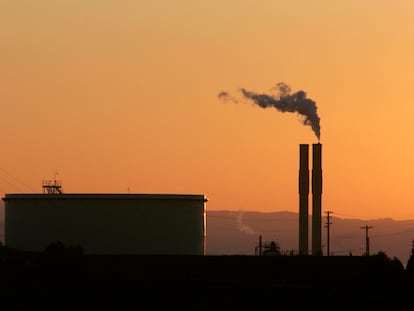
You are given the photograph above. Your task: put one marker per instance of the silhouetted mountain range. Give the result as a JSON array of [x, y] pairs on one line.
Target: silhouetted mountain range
[[237, 233], [232, 232]]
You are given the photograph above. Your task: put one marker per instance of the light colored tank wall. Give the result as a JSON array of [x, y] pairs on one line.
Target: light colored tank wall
[[107, 224]]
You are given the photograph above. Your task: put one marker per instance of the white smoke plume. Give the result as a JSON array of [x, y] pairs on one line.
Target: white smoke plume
[[243, 227], [283, 101]]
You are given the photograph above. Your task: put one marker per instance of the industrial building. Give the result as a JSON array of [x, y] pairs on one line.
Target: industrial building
[[156, 224], [316, 199]]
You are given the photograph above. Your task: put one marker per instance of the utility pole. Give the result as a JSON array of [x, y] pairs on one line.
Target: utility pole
[[328, 223], [260, 245], [366, 227]]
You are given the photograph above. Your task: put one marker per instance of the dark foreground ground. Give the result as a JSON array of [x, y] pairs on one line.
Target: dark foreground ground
[[164, 282]]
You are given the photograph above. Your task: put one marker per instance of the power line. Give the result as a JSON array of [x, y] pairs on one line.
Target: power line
[[347, 250], [9, 183], [15, 179]]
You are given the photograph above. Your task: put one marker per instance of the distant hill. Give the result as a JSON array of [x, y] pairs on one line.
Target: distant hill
[[237, 233], [232, 232]]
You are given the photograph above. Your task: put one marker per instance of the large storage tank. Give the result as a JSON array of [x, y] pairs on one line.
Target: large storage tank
[[107, 223]]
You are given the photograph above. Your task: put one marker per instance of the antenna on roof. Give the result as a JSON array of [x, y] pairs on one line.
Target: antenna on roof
[[52, 186]]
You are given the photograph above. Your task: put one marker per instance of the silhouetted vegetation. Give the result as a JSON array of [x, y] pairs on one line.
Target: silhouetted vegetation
[[59, 248], [65, 276], [395, 262], [410, 263]]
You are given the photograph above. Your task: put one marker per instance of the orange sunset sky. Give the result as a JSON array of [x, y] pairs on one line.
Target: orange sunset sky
[[122, 96]]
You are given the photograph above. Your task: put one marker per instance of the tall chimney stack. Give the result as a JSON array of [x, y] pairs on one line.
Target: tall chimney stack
[[317, 199], [303, 198]]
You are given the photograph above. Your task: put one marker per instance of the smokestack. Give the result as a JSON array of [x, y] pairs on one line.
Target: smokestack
[[303, 198], [317, 199]]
